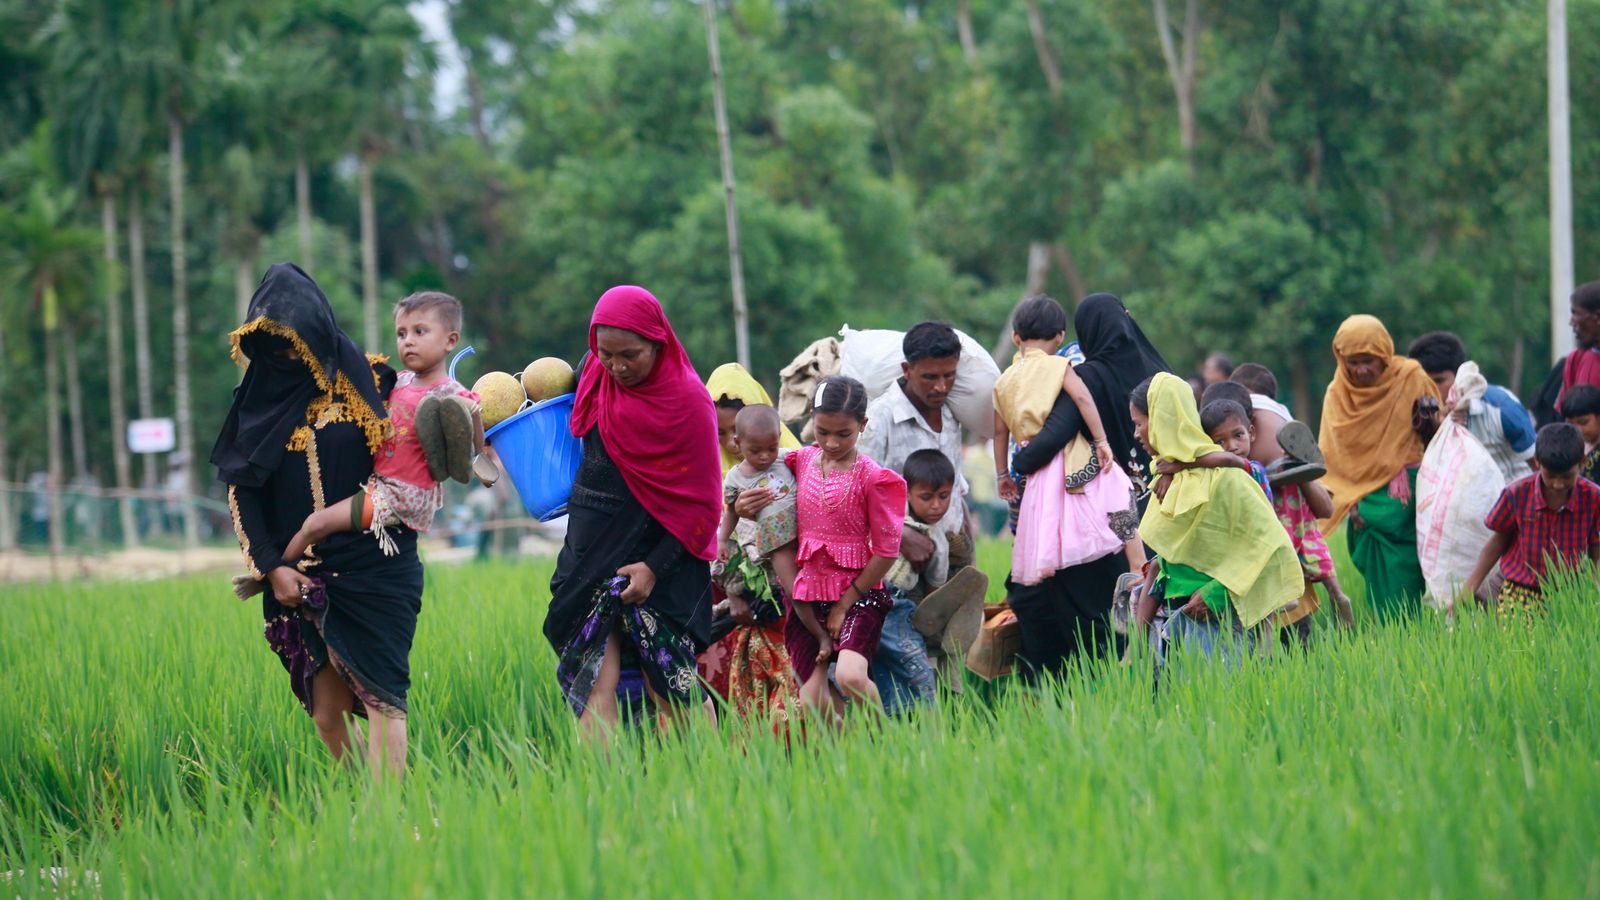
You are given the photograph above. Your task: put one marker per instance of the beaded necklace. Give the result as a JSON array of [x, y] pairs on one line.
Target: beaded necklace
[[850, 488]]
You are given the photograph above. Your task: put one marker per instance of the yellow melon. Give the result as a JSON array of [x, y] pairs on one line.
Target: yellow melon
[[501, 397], [548, 377]]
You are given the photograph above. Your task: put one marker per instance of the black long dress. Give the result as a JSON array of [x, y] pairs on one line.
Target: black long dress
[[372, 600], [607, 528], [1067, 614]]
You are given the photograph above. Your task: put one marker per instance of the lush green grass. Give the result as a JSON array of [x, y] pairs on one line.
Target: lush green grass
[[149, 736]]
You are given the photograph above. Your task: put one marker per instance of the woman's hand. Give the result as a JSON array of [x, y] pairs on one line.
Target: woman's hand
[[1007, 487], [1196, 608], [289, 586], [752, 501], [740, 611], [1161, 485], [641, 581]]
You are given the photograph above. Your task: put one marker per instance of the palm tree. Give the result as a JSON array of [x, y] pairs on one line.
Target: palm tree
[[50, 256], [177, 36], [292, 63], [379, 40], [97, 97]]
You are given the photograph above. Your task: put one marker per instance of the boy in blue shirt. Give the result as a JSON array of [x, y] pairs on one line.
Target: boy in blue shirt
[[1499, 420]]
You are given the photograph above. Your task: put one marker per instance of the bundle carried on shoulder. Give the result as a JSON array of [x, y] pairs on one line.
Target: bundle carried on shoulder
[[1457, 486], [873, 357]]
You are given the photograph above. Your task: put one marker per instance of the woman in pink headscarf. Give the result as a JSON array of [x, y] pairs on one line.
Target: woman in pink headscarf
[[632, 587]]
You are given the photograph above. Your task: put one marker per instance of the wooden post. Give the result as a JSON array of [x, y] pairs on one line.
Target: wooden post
[[741, 314]]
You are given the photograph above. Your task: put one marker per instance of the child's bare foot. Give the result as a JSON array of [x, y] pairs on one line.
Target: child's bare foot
[[246, 586]]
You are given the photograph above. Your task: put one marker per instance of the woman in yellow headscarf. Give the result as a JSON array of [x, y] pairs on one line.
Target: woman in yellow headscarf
[[732, 389], [1369, 437], [1224, 556]]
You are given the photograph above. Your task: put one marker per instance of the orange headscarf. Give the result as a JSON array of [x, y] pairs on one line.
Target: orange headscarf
[[1366, 431]]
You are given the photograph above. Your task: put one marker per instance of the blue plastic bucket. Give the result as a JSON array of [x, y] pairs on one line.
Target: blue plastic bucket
[[540, 455]]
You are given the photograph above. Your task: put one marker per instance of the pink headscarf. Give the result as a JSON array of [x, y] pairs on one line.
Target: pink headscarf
[[662, 432]]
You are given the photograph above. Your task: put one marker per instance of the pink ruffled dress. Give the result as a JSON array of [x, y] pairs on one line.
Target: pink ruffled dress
[[1058, 530], [846, 518]]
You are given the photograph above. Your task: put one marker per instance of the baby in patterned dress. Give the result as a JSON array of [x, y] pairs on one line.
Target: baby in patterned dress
[[771, 536]]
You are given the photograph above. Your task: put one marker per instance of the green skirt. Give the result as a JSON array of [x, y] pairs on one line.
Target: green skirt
[[1385, 551]]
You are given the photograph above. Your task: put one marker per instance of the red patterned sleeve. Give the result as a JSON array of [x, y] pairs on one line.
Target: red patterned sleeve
[[1503, 518], [886, 512]]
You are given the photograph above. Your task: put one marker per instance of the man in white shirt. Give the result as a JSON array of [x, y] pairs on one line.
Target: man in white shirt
[[913, 415]]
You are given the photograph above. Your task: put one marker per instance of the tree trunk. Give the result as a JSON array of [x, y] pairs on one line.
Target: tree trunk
[[52, 427], [302, 207], [140, 291], [741, 314], [369, 257], [1069, 269], [180, 331], [1038, 272], [969, 45], [80, 449], [1041, 47], [8, 530], [1181, 69], [1300, 390], [115, 386]]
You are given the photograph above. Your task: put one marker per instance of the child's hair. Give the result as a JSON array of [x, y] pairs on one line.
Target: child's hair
[[1438, 351], [446, 307], [1580, 400], [930, 467], [841, 394], [1139, 397], [1039, 318], [930, 340], [1229, 390], [757, 420], [1258, 378], [1559, 447], [1223, 362], [1218, 412]]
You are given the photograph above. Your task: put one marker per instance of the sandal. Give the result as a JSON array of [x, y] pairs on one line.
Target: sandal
[[455, 425], [1296, 440], [430, 435], [1289, 470]]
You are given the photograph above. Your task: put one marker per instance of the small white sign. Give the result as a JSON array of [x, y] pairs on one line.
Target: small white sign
[[152, 436]]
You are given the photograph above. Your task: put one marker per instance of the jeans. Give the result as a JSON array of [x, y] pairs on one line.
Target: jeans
[[1210, 639], [900, 669]]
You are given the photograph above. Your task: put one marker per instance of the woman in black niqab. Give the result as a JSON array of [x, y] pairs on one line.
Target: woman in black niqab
[[304, 424], [1067, 614]]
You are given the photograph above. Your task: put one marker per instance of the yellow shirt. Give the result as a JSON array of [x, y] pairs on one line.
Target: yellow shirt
[[1027, 390]]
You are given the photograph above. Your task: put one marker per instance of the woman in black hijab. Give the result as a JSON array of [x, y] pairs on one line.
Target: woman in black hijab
[[1066, 614], [305, 422]]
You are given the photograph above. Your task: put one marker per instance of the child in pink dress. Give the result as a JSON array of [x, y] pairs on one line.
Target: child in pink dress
[[1080, 506], [850, 513]]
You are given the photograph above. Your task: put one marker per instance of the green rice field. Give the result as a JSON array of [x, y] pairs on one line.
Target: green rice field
[[152, 747]]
